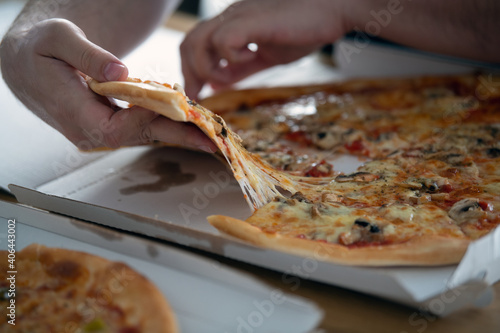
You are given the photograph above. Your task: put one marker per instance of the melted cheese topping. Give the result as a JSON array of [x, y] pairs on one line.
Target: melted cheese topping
[[434, 143]]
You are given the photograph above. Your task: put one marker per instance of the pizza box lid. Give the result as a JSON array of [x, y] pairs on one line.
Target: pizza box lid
[[117, 189], [191, 284]]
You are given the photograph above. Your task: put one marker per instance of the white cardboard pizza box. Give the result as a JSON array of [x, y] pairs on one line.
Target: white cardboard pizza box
[[104, 191], [192, 284], [114, 189]]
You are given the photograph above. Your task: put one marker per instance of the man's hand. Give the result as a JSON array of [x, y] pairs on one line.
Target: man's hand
[[283, 30], [43, 64]]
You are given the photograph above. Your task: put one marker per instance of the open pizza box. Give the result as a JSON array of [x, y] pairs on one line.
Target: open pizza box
[[114, 191], [191, 284], [167, 193]]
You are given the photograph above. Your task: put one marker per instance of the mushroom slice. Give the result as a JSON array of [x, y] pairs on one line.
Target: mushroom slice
[[300, 197], [466, 210]]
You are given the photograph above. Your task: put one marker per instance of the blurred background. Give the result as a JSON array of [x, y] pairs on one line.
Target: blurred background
[[199, 8], [378, 57]]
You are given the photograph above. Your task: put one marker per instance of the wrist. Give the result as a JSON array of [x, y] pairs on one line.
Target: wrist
[[334, 16], [370, 16], [349, 12]]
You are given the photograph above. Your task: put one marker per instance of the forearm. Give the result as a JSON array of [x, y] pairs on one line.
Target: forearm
[[116, 25], [457, 27]]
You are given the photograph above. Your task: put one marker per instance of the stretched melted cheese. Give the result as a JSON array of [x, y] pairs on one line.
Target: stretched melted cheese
[[258, 180]]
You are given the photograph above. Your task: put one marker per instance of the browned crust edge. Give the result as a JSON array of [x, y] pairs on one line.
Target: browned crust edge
[[229, 100], [421, 251], [138, 292]]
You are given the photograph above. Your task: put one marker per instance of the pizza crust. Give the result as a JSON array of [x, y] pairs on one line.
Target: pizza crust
[[153, 96], [230, 100], [420, 251], [95, 285]]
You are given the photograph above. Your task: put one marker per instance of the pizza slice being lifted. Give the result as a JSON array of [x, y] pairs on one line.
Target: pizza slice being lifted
[[431, 187], [258, 180]]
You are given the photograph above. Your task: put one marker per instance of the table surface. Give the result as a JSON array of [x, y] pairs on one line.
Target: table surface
[[349, 311]]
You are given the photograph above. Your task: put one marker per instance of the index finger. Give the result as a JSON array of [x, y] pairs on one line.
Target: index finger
[[199, 59]]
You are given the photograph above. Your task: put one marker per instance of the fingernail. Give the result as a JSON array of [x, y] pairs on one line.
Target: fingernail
[[113, 71]]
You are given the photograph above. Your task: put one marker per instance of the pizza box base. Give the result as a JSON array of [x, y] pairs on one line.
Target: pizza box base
[[192, 284], [116, 190]]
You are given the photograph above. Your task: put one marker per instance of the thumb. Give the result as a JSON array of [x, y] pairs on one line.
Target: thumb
[[66, 42]]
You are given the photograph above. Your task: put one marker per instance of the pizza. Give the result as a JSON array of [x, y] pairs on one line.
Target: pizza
[[428, 184], [61, 290], [258, 180]]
